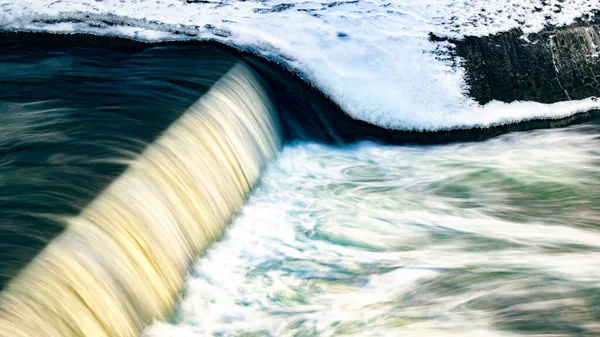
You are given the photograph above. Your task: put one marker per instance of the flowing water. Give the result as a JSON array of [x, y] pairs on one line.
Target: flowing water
[[120, 262], [498, 238], [119, 167]]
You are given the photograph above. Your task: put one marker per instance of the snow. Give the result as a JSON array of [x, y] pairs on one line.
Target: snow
[[373, 58]]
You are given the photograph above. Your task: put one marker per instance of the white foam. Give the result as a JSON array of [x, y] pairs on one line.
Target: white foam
[[373, 58], [369, 240]]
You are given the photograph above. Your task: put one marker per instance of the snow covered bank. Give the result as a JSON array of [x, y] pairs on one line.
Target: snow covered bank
[[373, 58]]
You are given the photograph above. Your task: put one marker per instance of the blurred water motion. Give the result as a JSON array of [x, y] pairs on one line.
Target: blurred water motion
[[117, 169], [72, 118], [121, 262], [498, 238]]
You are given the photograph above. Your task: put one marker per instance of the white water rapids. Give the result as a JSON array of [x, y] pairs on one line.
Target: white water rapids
[[498, 238]]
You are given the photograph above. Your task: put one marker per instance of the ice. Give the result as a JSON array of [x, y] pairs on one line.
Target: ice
[[373, 58]]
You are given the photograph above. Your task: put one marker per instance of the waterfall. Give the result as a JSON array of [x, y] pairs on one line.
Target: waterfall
[[121, 262]]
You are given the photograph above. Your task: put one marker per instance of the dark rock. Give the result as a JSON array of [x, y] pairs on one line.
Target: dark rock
[[202, 1], [340, 3], [305, 113], [274, 9], [556, 64]]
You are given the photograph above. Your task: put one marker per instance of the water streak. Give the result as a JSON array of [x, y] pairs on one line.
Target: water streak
[[498, 238], [121, 263]]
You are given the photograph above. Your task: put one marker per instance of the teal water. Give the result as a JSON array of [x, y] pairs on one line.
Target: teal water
[[497, 238]]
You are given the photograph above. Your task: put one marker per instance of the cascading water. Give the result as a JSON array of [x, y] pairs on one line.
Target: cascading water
[[119, 166], [497, 238], [121, 262]]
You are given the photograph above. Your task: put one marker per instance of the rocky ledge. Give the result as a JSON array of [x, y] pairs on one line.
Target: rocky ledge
[[556, 64]]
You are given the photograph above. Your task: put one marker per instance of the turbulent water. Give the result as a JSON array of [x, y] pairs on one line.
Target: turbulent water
[[70, 120], [119, 263], [129, 168], [498, 238], [119, 166]]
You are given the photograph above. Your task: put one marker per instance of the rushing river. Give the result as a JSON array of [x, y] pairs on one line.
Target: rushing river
[[119, 167], [497, 238]]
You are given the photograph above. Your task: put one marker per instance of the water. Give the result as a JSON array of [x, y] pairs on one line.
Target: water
[[498, 238], [70, 121], [118, 167], [120, 263]]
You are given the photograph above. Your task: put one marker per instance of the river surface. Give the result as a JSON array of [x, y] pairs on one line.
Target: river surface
[[497, 238]]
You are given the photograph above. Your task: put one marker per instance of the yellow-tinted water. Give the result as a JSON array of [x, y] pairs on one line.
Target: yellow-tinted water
[[495, 238], [121, 263]]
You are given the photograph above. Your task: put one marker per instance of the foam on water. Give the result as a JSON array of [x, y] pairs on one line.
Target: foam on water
[[373, 58], [121, 262], [498, 238]]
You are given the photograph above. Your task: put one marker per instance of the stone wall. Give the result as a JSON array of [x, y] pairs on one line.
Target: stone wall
[[556, 64]]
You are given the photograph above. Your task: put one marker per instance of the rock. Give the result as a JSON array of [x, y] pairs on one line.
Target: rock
[[556, 64]]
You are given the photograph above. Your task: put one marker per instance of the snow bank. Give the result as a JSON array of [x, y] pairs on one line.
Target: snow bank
[[373, 58]]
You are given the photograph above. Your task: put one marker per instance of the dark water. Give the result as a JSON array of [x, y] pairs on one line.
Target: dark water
[[494, 238], [68, 118]]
